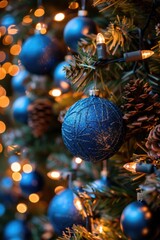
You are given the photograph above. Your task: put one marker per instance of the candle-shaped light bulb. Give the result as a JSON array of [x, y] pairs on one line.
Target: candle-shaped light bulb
[[130, 167], [140, 167], [100, 38], [101, 47], [146, 53]]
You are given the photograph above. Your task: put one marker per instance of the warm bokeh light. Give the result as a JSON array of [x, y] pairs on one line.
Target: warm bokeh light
[[22, 208], [2, 31], [13, 70], [27, 20], [2, 91], [2, 56], [73, 5], [15, 167], [56, 92], [39, 12], [7, 40], [41, 27], [3, 3], [12, 30], [4, 101], [59, 17], [2, 73], [15, 49], [1, 148], [6, 66], [54, 174], [34, 198], [78, 160], [27, 168], [2, 127], [16, 176], [78, 204], [59, 189]]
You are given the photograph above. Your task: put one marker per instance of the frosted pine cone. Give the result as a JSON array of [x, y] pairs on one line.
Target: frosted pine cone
[[153, 143], [141, 108], [40, 116]]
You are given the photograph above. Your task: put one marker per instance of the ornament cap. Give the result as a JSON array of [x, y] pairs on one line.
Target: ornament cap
[[94, 92], [82, 13]]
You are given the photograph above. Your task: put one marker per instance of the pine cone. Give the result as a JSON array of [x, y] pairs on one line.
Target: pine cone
[[141, 108], [153, 143], [40, 116]]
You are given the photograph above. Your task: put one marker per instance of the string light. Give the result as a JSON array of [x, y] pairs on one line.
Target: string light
[[140, 167], [78, 204], [56, 92], [78, 160], [101, 47], [54, 175]]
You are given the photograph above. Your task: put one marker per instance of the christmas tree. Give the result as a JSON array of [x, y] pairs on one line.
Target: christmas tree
[[79, 120]]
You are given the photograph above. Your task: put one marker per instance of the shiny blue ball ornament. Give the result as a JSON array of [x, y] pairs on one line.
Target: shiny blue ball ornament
[[20, 109], [18, 81], [62, 211], [93, 129], [78, 28], [16, 229], [60, 79], [32, 182], [137, 221], [7, 20], [39, 54]]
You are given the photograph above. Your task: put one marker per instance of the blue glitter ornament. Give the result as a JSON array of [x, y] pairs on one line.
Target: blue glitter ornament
[[40, 54], [32, 182], [63, 213], [93, 129], [78, 28], [16, 229], [19, 80], [60, 79], [137, 221], [19, 109]]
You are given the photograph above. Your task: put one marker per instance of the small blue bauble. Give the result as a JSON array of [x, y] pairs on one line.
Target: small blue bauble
[[39, 54], [78, 28], [8, 20], [31, 182], [93, 129], [137, 221], [19, 80], [19, 109], [60, 79], [63, 213], [101, 184], [16, 229]]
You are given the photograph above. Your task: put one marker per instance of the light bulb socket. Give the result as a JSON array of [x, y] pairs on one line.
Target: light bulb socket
[[145, 168], [94, 92], [132, 56], [101, 51], [82, 13]]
